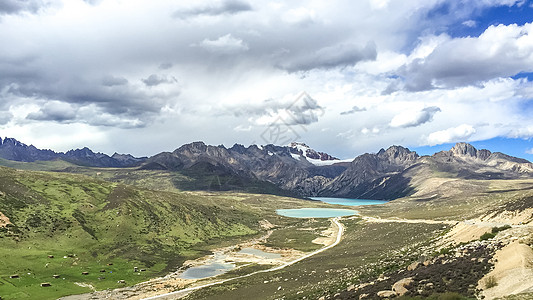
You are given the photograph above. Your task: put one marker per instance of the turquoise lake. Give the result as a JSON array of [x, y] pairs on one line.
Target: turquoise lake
[[316, 212], [328, 212], [348, 202]]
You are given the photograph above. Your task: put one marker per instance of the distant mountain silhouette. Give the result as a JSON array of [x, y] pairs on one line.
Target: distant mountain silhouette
[[12, 149]]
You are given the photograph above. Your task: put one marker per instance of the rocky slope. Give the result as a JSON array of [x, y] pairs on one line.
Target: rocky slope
[[273, 164], [374, 176], [467, 162]]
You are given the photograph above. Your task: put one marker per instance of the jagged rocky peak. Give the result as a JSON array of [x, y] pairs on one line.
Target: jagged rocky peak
[[304, 150], [200, 149], [127, 158], [397, 154], [11, 141], [80, 152], [121, 156], [193, 147], [466, 150], [239, 148]]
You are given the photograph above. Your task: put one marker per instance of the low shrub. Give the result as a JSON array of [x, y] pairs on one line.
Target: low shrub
[[498, 229], [490, 282], [486, 236]]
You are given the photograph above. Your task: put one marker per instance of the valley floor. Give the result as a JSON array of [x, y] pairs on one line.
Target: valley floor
[[511, 260], [173, 286]]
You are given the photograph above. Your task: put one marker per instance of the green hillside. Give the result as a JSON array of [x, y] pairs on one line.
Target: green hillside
[[103, 228]]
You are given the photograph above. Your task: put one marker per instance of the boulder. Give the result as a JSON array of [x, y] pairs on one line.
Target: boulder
[[350, 288], [386, 294], [413, 266], [400, 287]]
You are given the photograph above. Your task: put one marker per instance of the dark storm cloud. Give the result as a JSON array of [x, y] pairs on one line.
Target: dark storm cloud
[[165, 66], [228, 7], [5, 117], [301, 110], [54, 111], [112, 81], [154, 80], [331, 57], [110, 101], [353, 110], [19, 6]]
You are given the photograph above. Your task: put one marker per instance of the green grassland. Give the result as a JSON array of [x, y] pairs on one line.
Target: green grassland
[[298, 235], [201, 178], [51, 165], [87, 223]]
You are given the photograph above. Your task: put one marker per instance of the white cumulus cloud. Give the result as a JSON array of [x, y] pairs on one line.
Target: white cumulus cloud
[[461, 132], [224, 44], [500, 51], [414, 118]]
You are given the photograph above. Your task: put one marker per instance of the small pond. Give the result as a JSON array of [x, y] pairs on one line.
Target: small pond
[[208, 270], [348, 202], [260, 253], [316, 212]]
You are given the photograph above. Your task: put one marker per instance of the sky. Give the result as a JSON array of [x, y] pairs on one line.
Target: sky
[[345, 77]]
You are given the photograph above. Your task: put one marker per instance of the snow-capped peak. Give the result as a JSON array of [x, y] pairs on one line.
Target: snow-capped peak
[[299, 149]]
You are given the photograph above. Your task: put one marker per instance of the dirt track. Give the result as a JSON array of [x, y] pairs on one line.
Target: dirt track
[[184, 292]]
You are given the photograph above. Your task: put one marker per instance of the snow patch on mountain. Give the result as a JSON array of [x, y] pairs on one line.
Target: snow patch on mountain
[[299, 150]]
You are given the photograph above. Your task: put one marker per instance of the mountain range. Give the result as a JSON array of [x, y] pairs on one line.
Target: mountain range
[[298, 169], [12, 149]]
